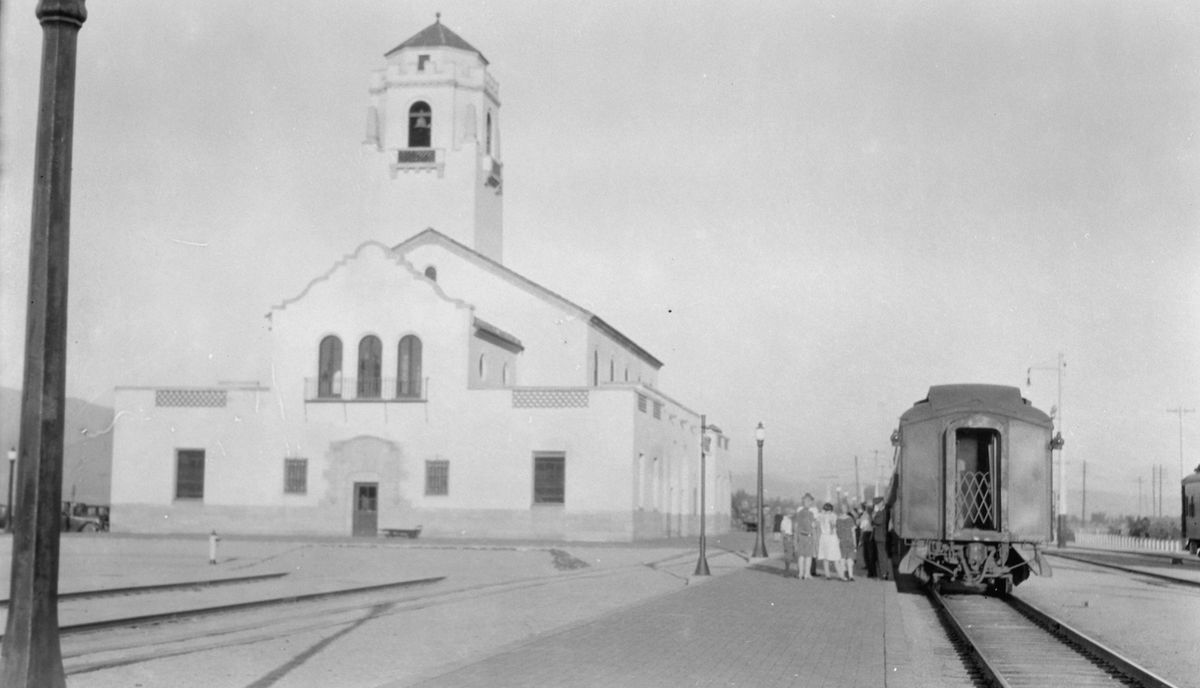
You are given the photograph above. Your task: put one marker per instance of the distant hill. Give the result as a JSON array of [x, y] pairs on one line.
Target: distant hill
[[87, 450]]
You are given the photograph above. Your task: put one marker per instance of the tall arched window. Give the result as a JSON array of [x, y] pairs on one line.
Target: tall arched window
[[420, 124], [370, 366], [408, 378], [595, 368], [612, 370], [329, 367], [488, 134]]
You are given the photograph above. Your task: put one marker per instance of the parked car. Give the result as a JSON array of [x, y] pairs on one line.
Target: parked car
[[78, 517]]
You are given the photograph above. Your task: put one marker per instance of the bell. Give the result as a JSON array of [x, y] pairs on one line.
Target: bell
[[421, 123]]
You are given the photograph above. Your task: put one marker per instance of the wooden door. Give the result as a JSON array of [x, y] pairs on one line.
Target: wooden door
[[366, 513]]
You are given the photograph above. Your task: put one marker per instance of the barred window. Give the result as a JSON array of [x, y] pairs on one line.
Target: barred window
[[642, 403], [295, 476], [658, 409], [437, 477], [189, 474], [549, 478]]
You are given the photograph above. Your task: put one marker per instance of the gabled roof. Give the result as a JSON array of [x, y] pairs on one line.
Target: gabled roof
[[436, 35], [432, 236]]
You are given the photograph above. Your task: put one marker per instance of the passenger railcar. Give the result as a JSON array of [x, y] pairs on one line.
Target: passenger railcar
[[1191, 525], [970, 498]]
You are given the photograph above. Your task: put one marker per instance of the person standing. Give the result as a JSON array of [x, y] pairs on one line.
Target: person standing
[[789, 543], [867, 541], [844, 526], [879, 523], [828, 550], [805, 533], [212, 547]]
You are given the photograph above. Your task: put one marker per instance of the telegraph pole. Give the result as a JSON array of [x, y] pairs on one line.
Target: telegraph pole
[[1062, 459], [1179, 411], [31, 655]]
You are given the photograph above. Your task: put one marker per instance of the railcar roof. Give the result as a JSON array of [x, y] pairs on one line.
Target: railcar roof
[[943, 399], [1192, 477]]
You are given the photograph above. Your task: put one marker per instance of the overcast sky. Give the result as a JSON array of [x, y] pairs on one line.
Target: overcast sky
[[811, 212]]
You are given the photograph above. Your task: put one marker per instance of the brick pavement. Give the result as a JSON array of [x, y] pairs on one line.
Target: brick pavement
[[752, 627]]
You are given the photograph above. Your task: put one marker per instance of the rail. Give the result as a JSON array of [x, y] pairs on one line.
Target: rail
[[365, 389]]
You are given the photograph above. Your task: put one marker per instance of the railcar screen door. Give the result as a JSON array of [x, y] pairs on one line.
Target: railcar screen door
[[977, 499]]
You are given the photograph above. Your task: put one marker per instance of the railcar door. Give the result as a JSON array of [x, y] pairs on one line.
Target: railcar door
[[973, 480]]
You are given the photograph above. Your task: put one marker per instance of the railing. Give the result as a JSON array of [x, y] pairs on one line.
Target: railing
[[385, 389], [1126, 542], [495, 170]]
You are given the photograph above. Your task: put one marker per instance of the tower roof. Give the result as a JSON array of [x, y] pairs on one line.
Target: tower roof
[[436, 35]]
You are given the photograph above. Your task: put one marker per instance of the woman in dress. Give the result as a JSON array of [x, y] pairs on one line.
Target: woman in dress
[[804, 527], [846, 544], [828, 549]]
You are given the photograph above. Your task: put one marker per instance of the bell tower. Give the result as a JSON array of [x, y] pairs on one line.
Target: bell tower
[[432, 146]]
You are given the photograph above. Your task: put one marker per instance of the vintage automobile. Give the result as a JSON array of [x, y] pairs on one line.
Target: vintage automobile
[[78, 517]]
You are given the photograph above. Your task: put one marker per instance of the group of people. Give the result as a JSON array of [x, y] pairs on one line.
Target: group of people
[[834, 537]]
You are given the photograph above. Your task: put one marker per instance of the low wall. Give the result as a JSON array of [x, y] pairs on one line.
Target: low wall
[[1125, 542]]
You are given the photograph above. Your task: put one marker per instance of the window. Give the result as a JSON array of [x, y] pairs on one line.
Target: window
[[627, 373], [595, 368], [422, 60], [295, 476], [420, 124], [612, 370], [658, 410], [431, 273], [437, 477], [408, 379], [482, 367], [488, 134], [549, 478], [329, 368], [504, 375], [370, 361], [189, 474], [641, 403]]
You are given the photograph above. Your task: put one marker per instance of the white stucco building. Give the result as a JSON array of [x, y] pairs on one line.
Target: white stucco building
[[425, 384]]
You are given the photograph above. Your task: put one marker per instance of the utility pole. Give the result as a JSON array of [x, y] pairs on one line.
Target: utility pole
[[1179, 411], [1083, 509]]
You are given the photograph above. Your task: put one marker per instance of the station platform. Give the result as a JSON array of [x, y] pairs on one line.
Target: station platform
[[753, 627]]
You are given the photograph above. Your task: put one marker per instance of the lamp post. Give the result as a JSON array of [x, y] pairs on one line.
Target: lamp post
[[12, 461], [760, 545], [702, 562], [1062, 460]]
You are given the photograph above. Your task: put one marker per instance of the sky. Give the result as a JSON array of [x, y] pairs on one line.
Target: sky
[[810, 211]]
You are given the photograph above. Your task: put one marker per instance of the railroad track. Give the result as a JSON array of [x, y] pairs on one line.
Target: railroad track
[[1097, 561], [1012, 643]]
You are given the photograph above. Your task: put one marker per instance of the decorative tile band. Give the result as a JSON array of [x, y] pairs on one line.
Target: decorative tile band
[[550, 398], [193, 398]]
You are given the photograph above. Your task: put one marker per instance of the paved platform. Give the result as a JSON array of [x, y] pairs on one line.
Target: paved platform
[[752, 627]]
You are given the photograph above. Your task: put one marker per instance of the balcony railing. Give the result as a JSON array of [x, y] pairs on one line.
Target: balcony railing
[[386, 389]]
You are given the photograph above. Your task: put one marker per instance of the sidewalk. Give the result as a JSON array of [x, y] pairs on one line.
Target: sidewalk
[[748, 628]]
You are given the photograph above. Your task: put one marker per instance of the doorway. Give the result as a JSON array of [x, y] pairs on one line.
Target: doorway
[[366, 512]]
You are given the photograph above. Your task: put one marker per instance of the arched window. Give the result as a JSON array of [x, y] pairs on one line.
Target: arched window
[[488, 134], [627, 373], [482, 367], [504, 375], [612, 370], [408, 378], [329, 368], [431, 273], [420, 124], [370, 365], [595, 368]]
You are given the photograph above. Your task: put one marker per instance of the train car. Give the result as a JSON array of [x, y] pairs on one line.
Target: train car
[[1191, 525], [970, 498]]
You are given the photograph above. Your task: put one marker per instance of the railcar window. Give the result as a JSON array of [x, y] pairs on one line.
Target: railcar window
[[977, 501]]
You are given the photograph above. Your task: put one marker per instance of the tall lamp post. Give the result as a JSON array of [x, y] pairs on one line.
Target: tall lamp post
[[12, 461], [702, 562], [1062, 459], [760, 545]]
